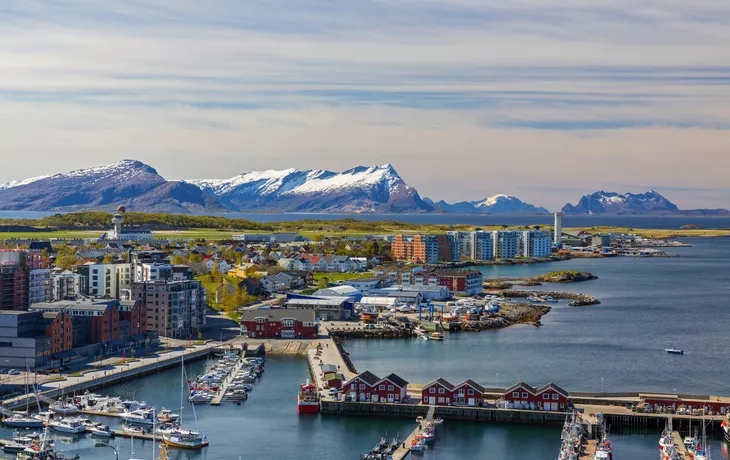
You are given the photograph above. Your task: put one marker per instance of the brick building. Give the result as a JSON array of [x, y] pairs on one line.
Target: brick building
[[59, 327], [419, 248], [134, 312], [93, 321]]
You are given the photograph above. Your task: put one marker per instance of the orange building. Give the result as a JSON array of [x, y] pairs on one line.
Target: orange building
[[419, 248]]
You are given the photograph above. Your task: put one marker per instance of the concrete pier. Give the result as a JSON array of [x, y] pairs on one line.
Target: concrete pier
[[405, 448], [226, 383]]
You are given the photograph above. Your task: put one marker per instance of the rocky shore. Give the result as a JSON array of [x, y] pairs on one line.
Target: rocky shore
[[578, 300], [522, 314], [563, 277]]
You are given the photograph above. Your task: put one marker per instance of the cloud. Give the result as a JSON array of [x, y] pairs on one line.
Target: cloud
[[512, 96]]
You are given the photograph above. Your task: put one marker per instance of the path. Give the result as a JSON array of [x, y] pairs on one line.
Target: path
[[402, 451]]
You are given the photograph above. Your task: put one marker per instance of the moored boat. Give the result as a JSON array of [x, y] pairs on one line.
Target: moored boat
[[437, 336], [102, 431], [726, 428], [22, 420], [68, 425], [308, 399], [184, 439], [674, 351]]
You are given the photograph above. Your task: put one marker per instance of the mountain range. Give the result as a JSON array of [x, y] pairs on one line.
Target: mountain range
[[367, 189]]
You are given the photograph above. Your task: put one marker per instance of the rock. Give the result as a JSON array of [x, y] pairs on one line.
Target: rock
[[563, 277]]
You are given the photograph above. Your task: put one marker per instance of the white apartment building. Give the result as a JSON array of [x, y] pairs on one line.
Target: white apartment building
[[537, 243], [506, 244], [39, 286], [105, 280], [67, 285]]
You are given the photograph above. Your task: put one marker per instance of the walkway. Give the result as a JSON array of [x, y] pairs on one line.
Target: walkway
[[405, 448], [224, 386]]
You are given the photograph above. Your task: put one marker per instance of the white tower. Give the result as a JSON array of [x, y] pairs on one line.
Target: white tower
[[558, 235], [117, 221]]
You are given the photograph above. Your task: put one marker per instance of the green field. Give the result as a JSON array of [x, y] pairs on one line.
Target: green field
[[334, 277]]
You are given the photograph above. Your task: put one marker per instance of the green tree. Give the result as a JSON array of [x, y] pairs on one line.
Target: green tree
[[323, 283], [194, 258], [178, 260], [108, 258], [66, 262], [215, 271]]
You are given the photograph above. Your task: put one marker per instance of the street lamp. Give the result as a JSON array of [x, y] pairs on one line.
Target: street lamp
[[116, 453]]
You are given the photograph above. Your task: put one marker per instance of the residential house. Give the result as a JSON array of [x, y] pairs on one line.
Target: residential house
[[361, 387], [468, 393], [438, 393], [392, 389], [552, 397], [521, 395], [244, 270]]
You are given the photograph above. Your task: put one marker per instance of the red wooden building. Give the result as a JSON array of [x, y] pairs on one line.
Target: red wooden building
[[275, 324], [392, 389], [468, 393], [552, 397], [521, 394], [438, 393], [361, 387]]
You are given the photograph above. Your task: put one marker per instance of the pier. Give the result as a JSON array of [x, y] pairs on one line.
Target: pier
[[405, 448], [679, 442], [589, 450], [226, 383]]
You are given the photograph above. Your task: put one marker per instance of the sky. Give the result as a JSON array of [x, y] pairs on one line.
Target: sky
[[542, 99]]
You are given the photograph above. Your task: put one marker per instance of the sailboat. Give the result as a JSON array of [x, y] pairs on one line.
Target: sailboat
[[184, 439], [702, 452], [20, 419]]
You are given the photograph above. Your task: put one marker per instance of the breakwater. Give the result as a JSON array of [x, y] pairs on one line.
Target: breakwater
[[578, 299]]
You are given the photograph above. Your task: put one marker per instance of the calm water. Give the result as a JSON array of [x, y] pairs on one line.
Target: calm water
[[648, 305], [469, 219]]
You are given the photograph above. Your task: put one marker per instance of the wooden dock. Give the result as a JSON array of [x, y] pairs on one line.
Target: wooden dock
[[679, 442], [589, 450], [216, 401], [402, 451]]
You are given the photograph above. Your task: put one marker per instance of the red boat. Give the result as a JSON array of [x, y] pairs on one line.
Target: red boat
[[308, 399]]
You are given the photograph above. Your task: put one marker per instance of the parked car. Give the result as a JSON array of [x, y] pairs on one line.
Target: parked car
[[14, 372], [4, 370]]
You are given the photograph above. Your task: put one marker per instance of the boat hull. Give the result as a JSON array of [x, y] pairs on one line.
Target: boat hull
[[181, 445], [24, 424]]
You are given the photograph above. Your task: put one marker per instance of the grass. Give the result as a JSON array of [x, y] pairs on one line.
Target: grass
[[334, 277], [656, 233]]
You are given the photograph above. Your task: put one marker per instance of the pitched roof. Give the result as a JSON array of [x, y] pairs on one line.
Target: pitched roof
[[367, 377], [471, 383], [441, 382], [551, 385], [396, 380], [522, 385]]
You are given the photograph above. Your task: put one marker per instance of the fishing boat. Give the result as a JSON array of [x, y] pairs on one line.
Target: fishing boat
[[102, 431], [19, 443], [437, 336], [166, 415], [68, 425], [674, 351], [604, 450], [702, 452], [308, 399], [42, 452], [418, 444]]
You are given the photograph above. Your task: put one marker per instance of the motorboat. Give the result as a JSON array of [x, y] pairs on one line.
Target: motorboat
[[19, 443], [139, 416], [437, 336], [533, 298], [166, 415], [418, 444], [185, 439], [68, 425], [65, 408], [675, 351], [43, 452], [133, 429], [22, 420], [547, 298], [604, 451], [102, 431]]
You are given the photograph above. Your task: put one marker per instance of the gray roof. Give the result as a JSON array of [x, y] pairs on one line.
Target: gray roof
[[278, 314], [71, 305], [329, 301]]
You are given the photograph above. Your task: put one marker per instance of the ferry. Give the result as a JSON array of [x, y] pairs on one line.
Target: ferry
[[308, 399]]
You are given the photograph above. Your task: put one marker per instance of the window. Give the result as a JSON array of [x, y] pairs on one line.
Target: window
[[425, 399], [524, 395], [390, 388], [441, 391], [381, 387], [471, 392], [516, 394], [555, 396], [362, 386], [441, 399], [545, 396], [432, 390]]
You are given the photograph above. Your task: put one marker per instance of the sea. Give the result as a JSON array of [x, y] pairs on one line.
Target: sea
[[649, 222], [648, 304]]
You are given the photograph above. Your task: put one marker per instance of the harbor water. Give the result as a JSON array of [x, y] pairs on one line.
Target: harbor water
[[647, 306]]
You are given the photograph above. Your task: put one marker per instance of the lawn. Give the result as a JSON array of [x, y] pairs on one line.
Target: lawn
[[334, 277]]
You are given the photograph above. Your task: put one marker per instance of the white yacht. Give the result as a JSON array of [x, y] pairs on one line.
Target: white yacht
[[139, 416], [68, 425]]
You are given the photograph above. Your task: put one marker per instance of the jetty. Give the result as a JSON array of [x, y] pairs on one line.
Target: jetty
[[681, 449], [216, 401], [405, 448]]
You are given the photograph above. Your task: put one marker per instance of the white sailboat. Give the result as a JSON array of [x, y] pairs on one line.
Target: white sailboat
[[184, 439]]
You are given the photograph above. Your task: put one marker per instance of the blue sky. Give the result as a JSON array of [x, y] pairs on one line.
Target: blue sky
[[542, 99]]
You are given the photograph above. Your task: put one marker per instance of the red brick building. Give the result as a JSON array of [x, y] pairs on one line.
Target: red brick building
[[392, 389], [438, 393], [59, 327], [552, 397], [276, 324], [92, 321], [468, 393], [419, 249], [361, 387], [134, 311], [521, 394]]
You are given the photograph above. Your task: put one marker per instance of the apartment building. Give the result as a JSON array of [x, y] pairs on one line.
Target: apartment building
[[93, 321], [67, 285], [39, 285], [106, 280], [419, 248], [174, 308], [506, 244], [537, 243], [478, 245]]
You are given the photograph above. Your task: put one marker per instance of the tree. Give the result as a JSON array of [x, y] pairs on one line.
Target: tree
[[194, 258], [66, 262], [215, 271], [108, 258], [178, 260], [274, 269], [323, 283]]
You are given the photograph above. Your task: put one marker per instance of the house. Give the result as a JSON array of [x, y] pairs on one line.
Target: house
[[438, 393], [274, 324], [392, 389], [334, 380], [521, 394], [272, 283], [360, 387], [244, 270], [552, 397], [468, 393], [223, 266]]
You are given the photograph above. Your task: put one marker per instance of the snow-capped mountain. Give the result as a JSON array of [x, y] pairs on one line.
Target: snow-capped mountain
[[128, 182], [602, 202], [497, 204], [360, 189]]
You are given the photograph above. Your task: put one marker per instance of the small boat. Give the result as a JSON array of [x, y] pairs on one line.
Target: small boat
[[726, 428], [42, 452], [133, 429], [547, 298], [604, 451], [438, 421], [675, 351], [308, 399], [437, 336], [418, 445], [185, 439], [166, 415], [22, 420], [68, 425], [19, 443], [139, 416], [102, 431]]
